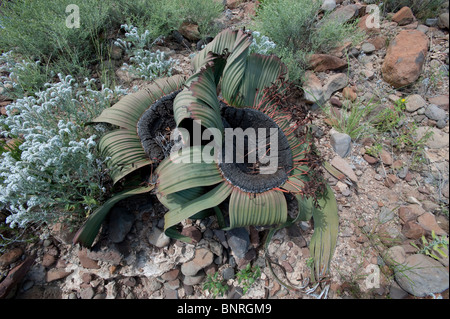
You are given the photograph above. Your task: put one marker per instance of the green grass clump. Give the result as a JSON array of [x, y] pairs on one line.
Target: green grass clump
[[298, 31], [37, 29], [161, 17], [353, 119]]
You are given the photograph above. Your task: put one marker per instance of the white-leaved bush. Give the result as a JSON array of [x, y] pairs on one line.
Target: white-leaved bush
[[146, 64], [58, 173], [261, 44]]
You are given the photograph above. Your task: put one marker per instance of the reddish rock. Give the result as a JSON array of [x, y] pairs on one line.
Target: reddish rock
[[404, 58], [423, 190], [406, 214], [170, 275], [393, 178], [397, 164], [349, 94], [324, 62], [335, 102], [287, 266], [390, 235], [233, 4], [202, 258], [404, 16], [370, 159], [313, 90], [61, 263], [110, 256], [56, 274], [15, 276], [442, 101], [412, 26], [86, 277], [388, 183], [275, 288], [250, 8], [428, 222], [3, 105], [362, 239], [48, 260], [192, 232], [189, 31], [10, 256], [386, 157], [378, 42], [62, 233], [416, 209], [413, 230], [85, 261], [408, 177]]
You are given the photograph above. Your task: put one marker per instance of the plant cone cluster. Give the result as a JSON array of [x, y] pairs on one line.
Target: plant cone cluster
[[230, 88]]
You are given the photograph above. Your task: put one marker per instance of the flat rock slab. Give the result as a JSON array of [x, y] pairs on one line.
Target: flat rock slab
[[421, 275], [437, 140], [342, 165], [324, 62]]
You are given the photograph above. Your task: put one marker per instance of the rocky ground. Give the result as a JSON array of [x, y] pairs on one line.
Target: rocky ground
[[384, 204]]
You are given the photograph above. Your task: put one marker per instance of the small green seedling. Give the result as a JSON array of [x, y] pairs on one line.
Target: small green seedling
[[248, 276], [434, 247], [215, 286]]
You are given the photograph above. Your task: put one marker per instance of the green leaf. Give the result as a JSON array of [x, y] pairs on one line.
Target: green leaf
[[441, 252], [294, 185], [305, 208], [234, 70], [125, 152], [129, 109], [323, 240], [261, 72], [266, 208], [224, 42], [87, 233], [186, 169], [199, 100], [208, 200], [175, 200]]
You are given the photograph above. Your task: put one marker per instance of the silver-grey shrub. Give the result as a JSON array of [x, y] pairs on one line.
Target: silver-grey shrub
[[146, 64], [59, 174], [261, 44]]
